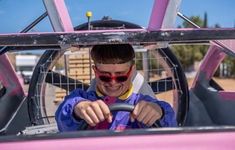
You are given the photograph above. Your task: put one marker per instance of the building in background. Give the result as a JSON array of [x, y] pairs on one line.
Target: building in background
[[25, 65]]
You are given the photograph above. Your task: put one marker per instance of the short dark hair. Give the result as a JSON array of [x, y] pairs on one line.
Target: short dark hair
[[112, 53]]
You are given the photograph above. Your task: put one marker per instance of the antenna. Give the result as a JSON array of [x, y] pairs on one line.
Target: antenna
[[89, 15]]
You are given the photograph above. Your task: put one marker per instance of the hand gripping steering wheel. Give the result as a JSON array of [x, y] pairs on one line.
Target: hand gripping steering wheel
[[118, 107]]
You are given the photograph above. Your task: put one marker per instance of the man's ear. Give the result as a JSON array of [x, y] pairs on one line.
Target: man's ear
[[133, 69]]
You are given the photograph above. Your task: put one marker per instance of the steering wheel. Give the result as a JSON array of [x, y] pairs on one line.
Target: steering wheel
[[118, 107]]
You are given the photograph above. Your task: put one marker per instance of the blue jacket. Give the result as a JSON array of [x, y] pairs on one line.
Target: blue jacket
[[121, 120]]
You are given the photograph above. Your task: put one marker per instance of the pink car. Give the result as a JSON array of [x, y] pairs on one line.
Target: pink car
[[205, 113]]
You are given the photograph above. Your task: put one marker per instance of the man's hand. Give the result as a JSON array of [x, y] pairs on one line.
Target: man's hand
[[146, 112], [93, 112]]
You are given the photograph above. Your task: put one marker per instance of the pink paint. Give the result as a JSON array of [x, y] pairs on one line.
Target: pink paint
[[157, 15], [212, 60], [192, 141], [64, 16], [210, 63], [8, 76], [230, 44], [226, 95]]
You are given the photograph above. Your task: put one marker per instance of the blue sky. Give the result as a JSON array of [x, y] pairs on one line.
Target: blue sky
[[17, 14]]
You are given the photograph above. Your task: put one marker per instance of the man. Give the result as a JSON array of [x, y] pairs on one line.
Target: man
[[114, 68]]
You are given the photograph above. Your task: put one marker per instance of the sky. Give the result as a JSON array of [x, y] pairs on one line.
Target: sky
[[17, 14]]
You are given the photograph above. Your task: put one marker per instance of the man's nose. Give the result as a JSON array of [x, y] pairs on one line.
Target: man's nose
[[113, 81]]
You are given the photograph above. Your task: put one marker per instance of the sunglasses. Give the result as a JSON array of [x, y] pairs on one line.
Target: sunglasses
[[109, 78]]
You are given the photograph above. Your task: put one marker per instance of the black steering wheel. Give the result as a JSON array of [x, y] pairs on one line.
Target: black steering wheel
[[118, 107]]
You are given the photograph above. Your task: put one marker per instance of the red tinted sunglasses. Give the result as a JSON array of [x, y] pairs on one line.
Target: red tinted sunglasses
[[109, 78]]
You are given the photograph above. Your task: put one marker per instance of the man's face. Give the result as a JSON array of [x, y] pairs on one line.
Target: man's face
[[113, 79]]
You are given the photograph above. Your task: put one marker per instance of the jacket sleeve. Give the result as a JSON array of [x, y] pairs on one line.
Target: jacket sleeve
[[168, 119], [64, 114]]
